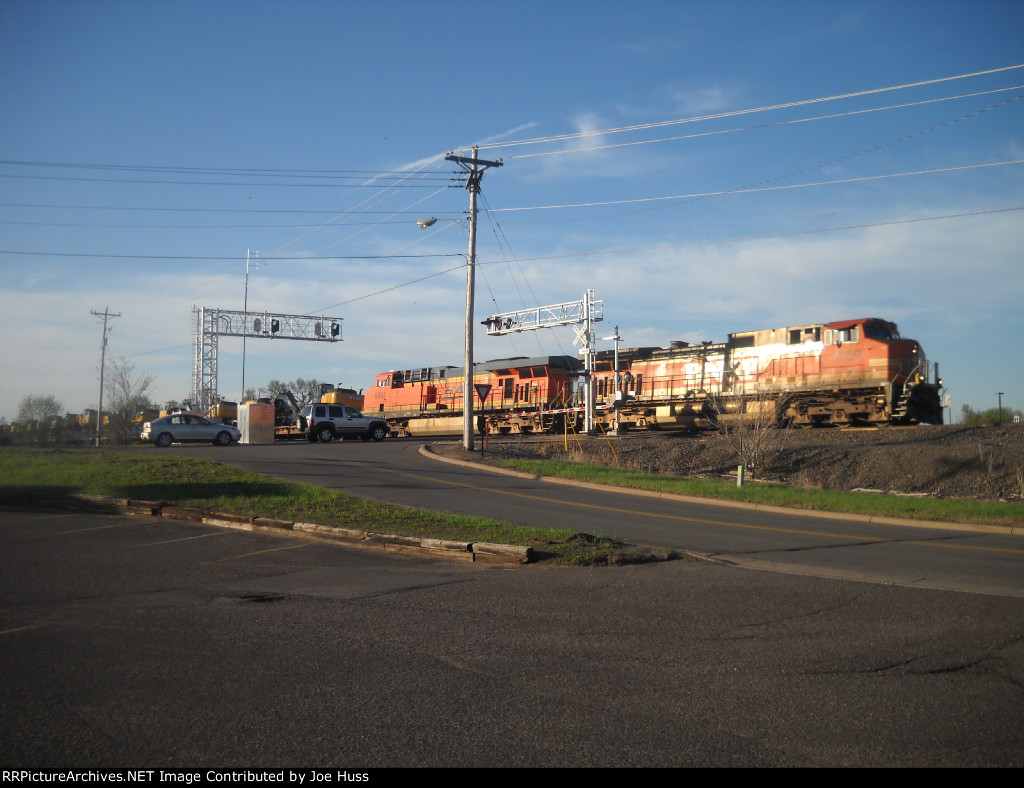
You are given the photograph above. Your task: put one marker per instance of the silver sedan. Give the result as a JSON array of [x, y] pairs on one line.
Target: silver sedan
[[188, 428]]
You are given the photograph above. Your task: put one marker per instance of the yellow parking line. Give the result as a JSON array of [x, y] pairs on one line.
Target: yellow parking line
[[172, 541], [258, 552], [99, 528], [12, 630]]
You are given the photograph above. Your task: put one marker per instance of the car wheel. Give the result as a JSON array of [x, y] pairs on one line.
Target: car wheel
[[324, 434], [164, 439], [223, 438], [378, 432]]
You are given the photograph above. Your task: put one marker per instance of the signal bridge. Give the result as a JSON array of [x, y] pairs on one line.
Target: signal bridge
[[571, 313], [213, 323]]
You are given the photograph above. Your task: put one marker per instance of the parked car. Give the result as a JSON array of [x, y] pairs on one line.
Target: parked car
[[188, 428], [326, 422]]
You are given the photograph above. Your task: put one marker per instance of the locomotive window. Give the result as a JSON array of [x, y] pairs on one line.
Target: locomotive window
[[539, 372], [841, 335], [874, 331], [798, 335]]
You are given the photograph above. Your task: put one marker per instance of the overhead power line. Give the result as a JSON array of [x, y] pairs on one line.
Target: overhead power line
[[760, 126], [182, 210], [188, 170], [232, 258], [676, 246], [371, 185], [734, 113], [763, 236], [748, 190]]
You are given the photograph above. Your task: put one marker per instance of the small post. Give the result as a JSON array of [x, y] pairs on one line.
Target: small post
[[739, 475]]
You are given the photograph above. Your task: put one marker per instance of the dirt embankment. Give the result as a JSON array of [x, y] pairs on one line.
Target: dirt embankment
[[947, 462]]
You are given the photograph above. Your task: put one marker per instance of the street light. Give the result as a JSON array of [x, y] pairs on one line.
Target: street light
[[467, 384]]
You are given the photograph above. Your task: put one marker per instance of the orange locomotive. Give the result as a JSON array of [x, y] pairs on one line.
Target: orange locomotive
[[830, 374], [822, 374], [526, 395]]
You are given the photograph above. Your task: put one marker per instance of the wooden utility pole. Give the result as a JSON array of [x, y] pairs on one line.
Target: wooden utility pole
[[106, 315]]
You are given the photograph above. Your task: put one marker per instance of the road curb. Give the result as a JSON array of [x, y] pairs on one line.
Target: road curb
[[473, 552], [1009, 530]]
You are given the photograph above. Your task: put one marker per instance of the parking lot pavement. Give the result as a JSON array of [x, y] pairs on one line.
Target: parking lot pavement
[[138, 641]]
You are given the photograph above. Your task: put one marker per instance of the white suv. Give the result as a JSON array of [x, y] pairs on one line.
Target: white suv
[[325, 422]]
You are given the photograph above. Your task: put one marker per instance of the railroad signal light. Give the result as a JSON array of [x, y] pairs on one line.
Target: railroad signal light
[[257, 324], [335, 329], [275, 325]]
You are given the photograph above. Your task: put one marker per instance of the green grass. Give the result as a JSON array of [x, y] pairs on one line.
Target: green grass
[[206, 485], [879, 505]]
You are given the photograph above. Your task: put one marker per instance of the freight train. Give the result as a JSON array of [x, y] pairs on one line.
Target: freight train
[[851, 372]]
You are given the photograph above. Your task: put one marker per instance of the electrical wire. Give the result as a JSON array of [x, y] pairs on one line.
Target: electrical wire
[[180, 210], [662, 247], [211, 183], [763, 236], [735, 113], [760, 126], [759, 189], [375, 199], [233, 258]]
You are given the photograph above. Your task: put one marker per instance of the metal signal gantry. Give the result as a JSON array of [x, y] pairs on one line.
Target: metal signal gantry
[[213, 323], [571, 313], [567, 314]]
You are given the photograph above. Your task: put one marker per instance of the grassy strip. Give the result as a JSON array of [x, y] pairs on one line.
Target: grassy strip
[[879, 505], [208, 485]]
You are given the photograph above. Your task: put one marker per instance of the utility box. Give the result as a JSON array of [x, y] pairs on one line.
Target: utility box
[[256, 422]]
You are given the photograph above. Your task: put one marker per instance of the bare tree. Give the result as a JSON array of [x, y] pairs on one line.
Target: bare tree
[[43, 409], [304, 391], [129, 394], [749, 423]]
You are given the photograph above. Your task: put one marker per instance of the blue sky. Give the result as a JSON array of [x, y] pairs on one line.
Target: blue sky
[[209, 120]]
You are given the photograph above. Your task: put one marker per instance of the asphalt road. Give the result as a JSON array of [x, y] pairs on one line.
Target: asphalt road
[[143, 642], [395, 472]]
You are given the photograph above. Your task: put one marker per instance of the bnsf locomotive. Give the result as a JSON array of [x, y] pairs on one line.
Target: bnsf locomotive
[[831, 374]]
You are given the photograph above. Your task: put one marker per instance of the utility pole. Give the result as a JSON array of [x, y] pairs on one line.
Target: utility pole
[[106, 315], [245, 308], [474, 166]]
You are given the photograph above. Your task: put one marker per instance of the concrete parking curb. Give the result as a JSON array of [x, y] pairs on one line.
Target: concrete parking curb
[[426, 451], [473, 552]]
